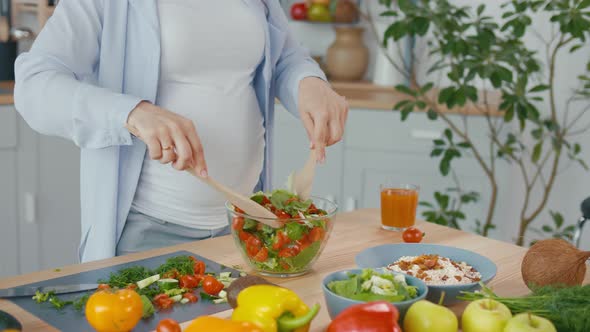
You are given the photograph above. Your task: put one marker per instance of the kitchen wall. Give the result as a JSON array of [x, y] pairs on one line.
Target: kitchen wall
[[573, 184]]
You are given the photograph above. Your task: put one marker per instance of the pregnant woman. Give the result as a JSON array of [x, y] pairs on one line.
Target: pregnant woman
[[150, 88]]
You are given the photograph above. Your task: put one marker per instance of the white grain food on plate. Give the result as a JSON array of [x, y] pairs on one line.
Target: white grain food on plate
[[436, 270]]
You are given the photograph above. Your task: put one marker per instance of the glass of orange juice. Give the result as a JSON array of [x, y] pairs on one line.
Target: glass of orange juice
[[398, 206]]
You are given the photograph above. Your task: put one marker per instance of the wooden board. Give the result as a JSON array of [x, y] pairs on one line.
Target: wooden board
[[352, 233]]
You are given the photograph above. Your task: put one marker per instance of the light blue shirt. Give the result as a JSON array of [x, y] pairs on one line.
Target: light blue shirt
[[93, 62]]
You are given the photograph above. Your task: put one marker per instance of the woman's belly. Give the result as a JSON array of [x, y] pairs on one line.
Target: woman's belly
[[230, 126]]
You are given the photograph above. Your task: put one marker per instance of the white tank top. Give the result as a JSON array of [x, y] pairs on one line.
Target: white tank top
[[210, 51]]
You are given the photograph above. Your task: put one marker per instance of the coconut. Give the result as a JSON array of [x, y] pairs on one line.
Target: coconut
[[554, 262]]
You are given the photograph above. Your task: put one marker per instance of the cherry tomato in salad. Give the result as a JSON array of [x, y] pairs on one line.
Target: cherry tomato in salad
[[238, 210], [412, 235], [238, 223], [303, 242], [211, 285], [262, 255], [281, 240], [189, 281], [265, 200], [168, 325], [172, 274], [289, 252], [192, 298], [284, 265], [199, 267], [163, 301], [316, 234], [244, 236], [283, 215]]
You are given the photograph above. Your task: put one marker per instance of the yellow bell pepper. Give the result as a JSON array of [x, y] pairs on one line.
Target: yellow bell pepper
[[210, 323], [274, 309]]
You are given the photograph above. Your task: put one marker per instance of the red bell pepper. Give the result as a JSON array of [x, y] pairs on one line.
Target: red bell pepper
[[377, 316]]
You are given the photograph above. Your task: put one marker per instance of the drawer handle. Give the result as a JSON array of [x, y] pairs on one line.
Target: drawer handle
[[425, 134]]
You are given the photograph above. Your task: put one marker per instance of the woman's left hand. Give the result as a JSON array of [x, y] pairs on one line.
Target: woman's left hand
[[323, 113]]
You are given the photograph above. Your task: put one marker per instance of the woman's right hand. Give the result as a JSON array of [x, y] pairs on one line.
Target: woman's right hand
[[170, 138]]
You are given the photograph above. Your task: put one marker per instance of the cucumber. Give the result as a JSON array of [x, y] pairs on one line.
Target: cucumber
[[176, 298], [184, 301], [148, 281], [224, 275], [168, 284]]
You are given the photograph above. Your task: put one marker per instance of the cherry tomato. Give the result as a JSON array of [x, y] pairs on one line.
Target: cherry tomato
[[238, 210], [284, 265], [238, 223], [103, 287], [254, 241], [412, 235], [283, 215], [281, 240], [303, 242], [172, 274], [199, 267], [131, 286], [244, 236], [211, 285], [114, 310], [262, 255], [192, 298], [289, 252], [160, 297], [299, 11], [265, 200], [316, 234], [168, 325], [188, 281]]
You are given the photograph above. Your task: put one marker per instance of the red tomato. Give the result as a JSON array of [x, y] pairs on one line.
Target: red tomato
[[254, 241], [199, 267], [265, 200], [284, 265], [412, 235], [188, 281], [238, 210], [289, 252], [131, 286], [192, 298], [238, 223], [244, 236], [283, 215], [299, 11], [163, 301], [168, 325], [316, 234], [281, 240], [103, 287], [211, 285], [262, 255], [303, 242]]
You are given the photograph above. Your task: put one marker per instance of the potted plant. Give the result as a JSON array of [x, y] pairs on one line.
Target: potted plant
[[488, 67]]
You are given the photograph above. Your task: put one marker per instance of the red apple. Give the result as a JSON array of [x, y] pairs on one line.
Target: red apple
[[299, 11]]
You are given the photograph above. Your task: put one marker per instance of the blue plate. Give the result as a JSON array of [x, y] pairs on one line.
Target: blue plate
[[383, 255], [337, 303]]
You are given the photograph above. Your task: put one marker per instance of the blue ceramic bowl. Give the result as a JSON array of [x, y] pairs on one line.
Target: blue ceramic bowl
[[337, 303], [383, 255]]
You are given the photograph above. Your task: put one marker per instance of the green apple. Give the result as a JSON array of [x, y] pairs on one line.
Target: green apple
[[425, 316], [529, 323], [485, 315]]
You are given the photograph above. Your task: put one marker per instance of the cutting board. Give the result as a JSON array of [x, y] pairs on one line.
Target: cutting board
[[69, 319]]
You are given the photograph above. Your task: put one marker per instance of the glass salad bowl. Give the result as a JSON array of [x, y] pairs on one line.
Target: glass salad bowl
[[292, 249]]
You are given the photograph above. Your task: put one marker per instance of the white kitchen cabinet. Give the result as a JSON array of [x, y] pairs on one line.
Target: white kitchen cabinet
[[291, 151], [39, 198]]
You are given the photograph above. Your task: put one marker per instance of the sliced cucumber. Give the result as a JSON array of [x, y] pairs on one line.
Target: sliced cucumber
[[224, 275], [167, 284], [175, 291], [176, 298], [184, 301], [243, 274], [148, 281]]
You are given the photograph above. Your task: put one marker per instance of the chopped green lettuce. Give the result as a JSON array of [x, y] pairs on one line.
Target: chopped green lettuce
[[373, 286]]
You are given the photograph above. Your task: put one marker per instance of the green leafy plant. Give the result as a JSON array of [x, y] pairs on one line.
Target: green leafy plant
[[558, 230], [493, 73]]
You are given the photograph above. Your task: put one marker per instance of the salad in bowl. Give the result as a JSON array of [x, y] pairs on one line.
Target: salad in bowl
[[291, 249]]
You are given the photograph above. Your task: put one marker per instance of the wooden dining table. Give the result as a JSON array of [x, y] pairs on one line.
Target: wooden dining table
[[352, 233]]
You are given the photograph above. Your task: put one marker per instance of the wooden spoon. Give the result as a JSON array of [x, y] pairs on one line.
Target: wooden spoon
[[302, 180], [250, 207]]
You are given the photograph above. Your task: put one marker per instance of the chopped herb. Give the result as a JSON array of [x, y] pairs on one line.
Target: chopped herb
[[183, 264], [80, 303]]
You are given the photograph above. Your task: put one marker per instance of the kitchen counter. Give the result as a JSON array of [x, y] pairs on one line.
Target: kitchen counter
[[359, 95], [6, 88], [353, 232]]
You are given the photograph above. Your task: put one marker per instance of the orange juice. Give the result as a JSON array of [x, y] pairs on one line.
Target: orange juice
[[398, 207]]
